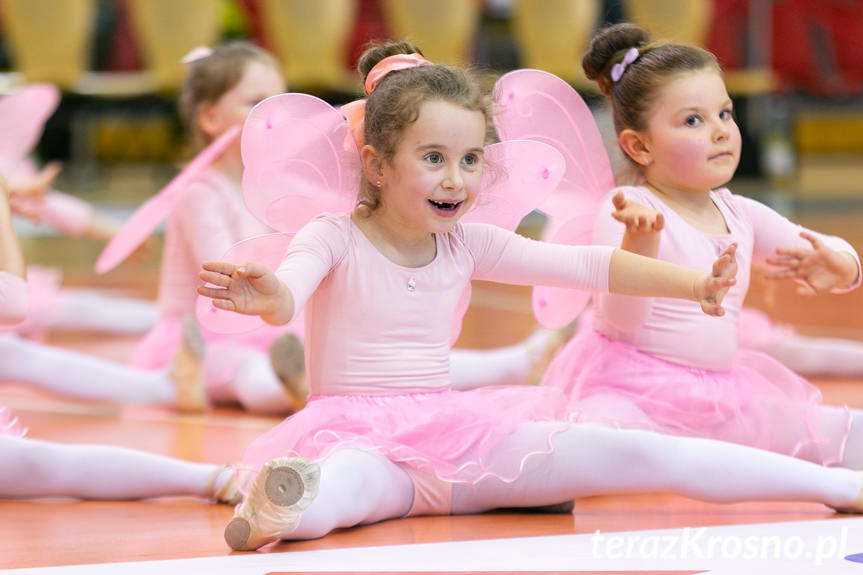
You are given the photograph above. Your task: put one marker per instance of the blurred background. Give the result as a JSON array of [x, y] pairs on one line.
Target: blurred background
[[793, 67]]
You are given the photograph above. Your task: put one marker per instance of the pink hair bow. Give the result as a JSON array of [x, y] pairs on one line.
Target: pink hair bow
[[391, 64], [618, 69], [196, 54]]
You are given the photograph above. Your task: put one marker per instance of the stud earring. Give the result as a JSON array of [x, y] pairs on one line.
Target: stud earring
[[378, 184]]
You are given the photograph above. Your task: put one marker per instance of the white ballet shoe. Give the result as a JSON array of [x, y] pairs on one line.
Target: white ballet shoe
[[288, 361], [187, 370], [228, 493], [282, 490]]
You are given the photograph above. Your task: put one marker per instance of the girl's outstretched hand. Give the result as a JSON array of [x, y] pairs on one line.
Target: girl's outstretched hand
[[250, 289], [818, 270], [637, 218], [39, 184], [711, 289]]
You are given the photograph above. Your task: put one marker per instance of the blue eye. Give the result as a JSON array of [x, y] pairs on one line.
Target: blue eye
[[470, 160], [434, 158], [726, 115], [692, 120]]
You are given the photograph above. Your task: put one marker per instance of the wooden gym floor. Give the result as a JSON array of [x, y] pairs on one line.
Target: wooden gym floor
[[58, 533]]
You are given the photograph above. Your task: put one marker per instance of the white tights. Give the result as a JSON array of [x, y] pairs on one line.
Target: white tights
[[257, 388], [509, 365], [33, 468], [80, 376], [588, 460], [821, 355]]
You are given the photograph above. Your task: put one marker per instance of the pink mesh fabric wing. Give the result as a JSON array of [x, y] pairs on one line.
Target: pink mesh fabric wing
[[23, 114], [300, 160], [153, 211], [539, 106], [517, 177]]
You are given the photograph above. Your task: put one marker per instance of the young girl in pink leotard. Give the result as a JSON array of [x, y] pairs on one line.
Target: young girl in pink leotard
[[34, 468], [211, 216], [383, 434], [656, 363]]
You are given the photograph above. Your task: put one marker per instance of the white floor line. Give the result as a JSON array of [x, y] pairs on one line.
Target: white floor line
[[788, 548]]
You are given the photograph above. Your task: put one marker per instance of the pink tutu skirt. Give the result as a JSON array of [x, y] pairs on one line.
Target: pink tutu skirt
[[454, 435], [9, 424], [758, 402], [43, 290], [756, 331], [223, 352]]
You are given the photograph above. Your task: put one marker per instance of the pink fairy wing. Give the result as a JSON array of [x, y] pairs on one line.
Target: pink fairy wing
[[151, 213], [517, 177], [269, 250], [536, 105], [556, 307], [300, 160], [540, 106], [23, 114]]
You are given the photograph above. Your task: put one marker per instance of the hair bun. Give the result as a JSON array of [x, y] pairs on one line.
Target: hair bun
[[608, 43], [375, 52]]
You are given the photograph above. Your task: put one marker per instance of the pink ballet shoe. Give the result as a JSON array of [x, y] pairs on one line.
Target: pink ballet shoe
[[187, 370], [228, 493], [857, 506], [283, 489], [287, 359]]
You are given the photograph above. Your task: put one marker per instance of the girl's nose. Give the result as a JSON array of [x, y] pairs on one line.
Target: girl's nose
[[452, 180], [721, 132]]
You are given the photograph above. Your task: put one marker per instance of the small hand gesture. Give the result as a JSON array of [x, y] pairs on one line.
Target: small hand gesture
[[712, 288], [27, 199], [40, 184], [818, 270], [637, 218], [250, 289]]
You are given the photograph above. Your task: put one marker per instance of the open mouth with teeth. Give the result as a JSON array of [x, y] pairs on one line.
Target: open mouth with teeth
[[445, 206]]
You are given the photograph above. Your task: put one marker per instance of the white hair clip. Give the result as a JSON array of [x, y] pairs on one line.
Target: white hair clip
[[196, 54], [618, 69]]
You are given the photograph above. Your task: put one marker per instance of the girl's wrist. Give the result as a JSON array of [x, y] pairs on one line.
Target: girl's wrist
[[852, 274]]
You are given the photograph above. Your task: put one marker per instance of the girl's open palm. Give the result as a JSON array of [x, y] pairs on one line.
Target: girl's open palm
[[637, 218], [712, 289], [818, 270], [250, 289]]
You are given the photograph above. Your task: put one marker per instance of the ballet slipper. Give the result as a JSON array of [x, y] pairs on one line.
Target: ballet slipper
[[857, 506], [187, 370], [286, 357], [228, 493], [281, 491]]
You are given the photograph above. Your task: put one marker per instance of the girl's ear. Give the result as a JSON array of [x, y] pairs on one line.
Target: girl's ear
[[372, 165], [635, 145], [209, 121]]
